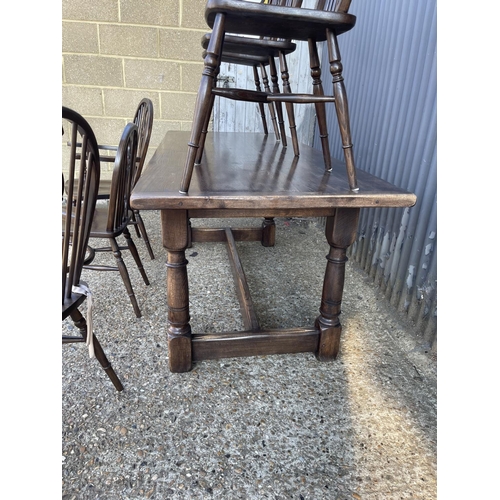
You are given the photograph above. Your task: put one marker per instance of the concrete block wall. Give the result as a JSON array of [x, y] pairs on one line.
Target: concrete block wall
[[115, 52]]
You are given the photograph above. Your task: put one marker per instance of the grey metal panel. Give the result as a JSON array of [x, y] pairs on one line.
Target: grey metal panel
[[389, 63]]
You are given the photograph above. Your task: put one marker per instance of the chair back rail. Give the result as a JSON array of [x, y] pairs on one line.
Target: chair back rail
[[82, 188], [78, 212], [342, 6], [143, 118], [121, 182], [334, 5]]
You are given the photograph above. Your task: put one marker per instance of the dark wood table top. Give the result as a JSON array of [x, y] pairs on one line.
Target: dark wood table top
[[247, 171]]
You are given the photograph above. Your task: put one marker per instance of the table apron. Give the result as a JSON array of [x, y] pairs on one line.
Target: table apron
[[283, 212]]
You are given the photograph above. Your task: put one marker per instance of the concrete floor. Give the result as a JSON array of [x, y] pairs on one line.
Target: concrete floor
[[287, 426]]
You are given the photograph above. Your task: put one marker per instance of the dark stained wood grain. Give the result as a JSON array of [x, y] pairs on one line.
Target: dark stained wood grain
[[247, 175], [341, 107], [242, 171], [320, 106], [260, 20], [268, 232], [204, 102], [215, 234], [265, 342], [250, 320]]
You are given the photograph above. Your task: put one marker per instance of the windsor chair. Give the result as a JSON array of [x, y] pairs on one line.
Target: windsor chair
[[260, 53], [77, 215], [113, 220], [143, 118], [325, 22]]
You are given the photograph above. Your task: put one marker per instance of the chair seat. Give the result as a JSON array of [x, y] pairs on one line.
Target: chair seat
[[100, 224], [255, 48], [257, 19], [243, 59], [83, 170], [72, 303]]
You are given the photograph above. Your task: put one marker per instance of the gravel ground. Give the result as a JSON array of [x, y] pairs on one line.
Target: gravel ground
[[277, 427]]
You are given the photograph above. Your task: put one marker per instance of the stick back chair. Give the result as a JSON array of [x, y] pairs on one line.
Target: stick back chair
[[113, 221], [325, 22], [143, 118], [77, 215]]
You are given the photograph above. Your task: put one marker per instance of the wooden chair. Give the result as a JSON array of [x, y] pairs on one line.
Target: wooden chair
[[143, 118], [76, 223], [324, 23], [259, 53], [113, 221]]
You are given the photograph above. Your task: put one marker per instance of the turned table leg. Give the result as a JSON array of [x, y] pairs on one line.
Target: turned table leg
[[268, 232], [340, 233], [175, 234]]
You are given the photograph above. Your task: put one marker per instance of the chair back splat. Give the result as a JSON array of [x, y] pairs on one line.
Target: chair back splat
[[78, 210], [124, 172], [83, 182], [143, 118], [246, 175]]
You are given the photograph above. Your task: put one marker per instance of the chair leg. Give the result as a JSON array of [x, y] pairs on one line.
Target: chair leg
[[203, 136], [272, 111], [289, 105], [204, 98], [134, 222], [341, 107], [142, 232], [81, 324], [204, 130], [135, 255], [261, 104], [125, 276], [320, 106], [276, 90]]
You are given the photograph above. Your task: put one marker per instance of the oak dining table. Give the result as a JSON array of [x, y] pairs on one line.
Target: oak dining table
[[250, 175]]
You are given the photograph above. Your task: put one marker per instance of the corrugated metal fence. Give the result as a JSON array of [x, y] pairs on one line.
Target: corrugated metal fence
[[390, 75], [389, 63]]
